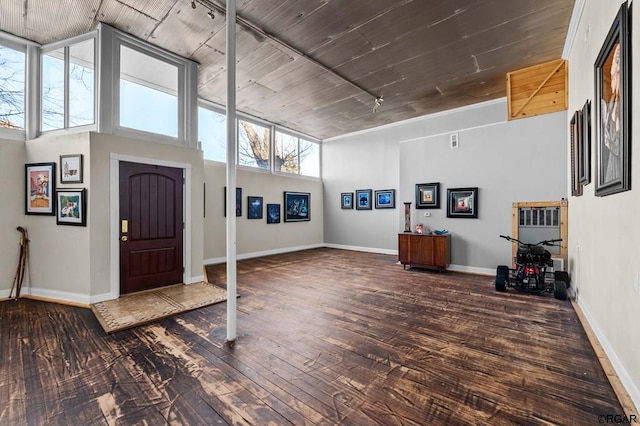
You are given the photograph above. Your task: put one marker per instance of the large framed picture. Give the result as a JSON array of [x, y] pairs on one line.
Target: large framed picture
[[273, 213], [71, 168], [428, 195], [385, 199], [363, 199], [346, 200], [462, 202], [40, 188], [297, 207], [71, 207], [612, 109], [254, 207]]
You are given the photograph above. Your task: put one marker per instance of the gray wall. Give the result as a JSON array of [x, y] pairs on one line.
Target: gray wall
[[12, 159], [255, 237], [520, 160], [604, 254]]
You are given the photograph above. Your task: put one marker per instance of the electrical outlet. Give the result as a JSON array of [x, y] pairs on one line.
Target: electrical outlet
[[427, 214]]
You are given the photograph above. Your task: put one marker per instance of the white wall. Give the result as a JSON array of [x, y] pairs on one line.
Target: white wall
[[604, 253], [254, 236], [12, 159], [520, 160]]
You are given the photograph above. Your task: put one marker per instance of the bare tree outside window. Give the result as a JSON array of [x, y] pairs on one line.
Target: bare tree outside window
[[12, 88], [253, 145]]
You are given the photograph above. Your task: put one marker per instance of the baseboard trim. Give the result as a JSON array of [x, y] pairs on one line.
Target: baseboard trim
[[243, 256], [626, 390], [364, 249], [472, 270]]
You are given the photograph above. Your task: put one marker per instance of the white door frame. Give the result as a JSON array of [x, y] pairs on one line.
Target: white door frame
[[114, 234]]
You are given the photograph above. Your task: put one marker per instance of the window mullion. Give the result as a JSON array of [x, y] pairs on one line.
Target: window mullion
[[65, 95]]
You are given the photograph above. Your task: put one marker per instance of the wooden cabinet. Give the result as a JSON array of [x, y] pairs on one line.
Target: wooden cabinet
[[424, 250]]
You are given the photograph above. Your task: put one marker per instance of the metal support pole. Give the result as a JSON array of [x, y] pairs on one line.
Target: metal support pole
[[231, 173]]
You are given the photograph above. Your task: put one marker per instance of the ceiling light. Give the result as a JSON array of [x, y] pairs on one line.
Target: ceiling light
[[210, 14], [377, 103], [193, 5]]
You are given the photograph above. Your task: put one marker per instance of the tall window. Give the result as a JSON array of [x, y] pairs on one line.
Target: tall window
[[296, 155], [68, 86], [12, 88], [148, 93], [212, 130], [254, 146]]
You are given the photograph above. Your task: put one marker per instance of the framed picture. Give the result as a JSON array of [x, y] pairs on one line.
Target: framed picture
[[238, 202], [40, 188], [71, 207], [584, 164], [428, 195], [71, 168], [346, 200], [297, 207], [612, 109], [385, 199], [254, 207], [273, 213], [575, 132], [363, 199], [462, 202]]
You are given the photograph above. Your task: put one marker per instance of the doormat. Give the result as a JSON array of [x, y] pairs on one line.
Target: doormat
[[136, 309]]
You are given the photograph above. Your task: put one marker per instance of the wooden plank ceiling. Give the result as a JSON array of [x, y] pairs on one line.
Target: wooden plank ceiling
[[316, 66]]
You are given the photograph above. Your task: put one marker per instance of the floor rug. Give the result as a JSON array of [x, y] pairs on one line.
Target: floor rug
[[142, 308]]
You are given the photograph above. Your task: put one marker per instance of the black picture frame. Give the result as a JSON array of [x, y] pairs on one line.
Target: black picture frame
[[71, 207], [584, 151], [71, 168], [428, 195], [575, 135], [462, 202], [612, 104], [238, 202], [363, 199], [273, 213], [254, 207], [40, 189], [346, 200], [297, 206], [385, 199]]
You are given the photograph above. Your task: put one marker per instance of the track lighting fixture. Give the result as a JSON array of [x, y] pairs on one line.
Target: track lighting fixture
[[193, 5], [377, 102], [211, 15]]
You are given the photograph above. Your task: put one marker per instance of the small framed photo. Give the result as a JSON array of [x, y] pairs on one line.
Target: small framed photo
[[346, 200], [363, 199], [428, 195], [385, 199], [71, 168], [462, 202], [40, 188], [71, 207], [297, 206], [273, 213], [238, 202], [254, 207]]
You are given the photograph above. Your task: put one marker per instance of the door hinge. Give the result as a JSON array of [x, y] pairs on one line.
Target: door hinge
[[183, 269]]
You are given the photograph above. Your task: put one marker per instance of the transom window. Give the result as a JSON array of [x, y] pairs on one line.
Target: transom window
[[12, 88], [148, 93], [68, 86], [254, 145]]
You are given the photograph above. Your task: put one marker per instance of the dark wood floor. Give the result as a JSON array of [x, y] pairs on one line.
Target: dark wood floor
[[325, 337]]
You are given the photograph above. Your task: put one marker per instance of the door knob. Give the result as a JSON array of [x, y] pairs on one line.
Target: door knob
[[124, 238]]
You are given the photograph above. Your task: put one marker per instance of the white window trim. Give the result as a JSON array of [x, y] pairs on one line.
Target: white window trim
[[187, 115], [25, 46], [66, 44]]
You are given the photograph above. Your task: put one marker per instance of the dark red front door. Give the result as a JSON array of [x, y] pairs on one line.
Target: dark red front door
[[150, 226]]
